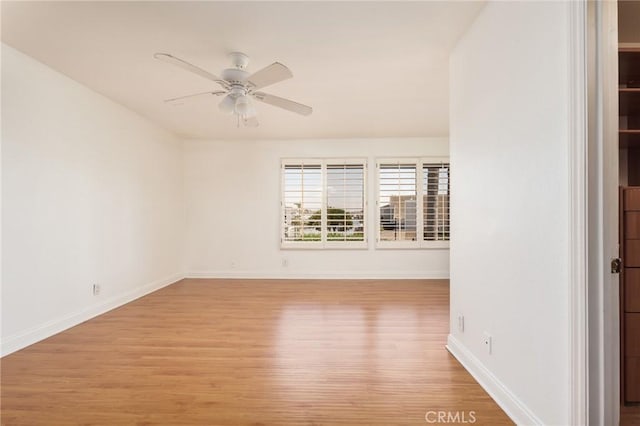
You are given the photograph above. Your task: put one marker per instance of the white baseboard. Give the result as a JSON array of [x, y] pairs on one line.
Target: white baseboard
[[328, 275], [40, 332], [514, 407]]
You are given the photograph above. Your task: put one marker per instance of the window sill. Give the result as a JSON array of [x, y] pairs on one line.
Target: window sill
[[412, 245], [356, 245]]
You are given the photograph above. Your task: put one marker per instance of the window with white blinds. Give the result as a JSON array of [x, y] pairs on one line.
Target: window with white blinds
[[397, 194], [302, 198], [413, 203], [345, 202], [323, 203], [435, 201]]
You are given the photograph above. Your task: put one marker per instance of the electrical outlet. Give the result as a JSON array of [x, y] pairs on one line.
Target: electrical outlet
[[488, 342], [461, 323], [96, 289], [233, 265], [285, 262]]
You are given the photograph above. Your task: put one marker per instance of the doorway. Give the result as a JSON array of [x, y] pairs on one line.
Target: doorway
[[629, 208]]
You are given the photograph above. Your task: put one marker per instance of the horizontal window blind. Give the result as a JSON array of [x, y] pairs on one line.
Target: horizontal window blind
[[302, 193], [323, 203], [413, 203], [435, 202], [345, 202], [397, 202]]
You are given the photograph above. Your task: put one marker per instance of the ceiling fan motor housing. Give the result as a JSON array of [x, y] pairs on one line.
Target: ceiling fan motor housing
[[235, 75], [237, 90], [239, 60]]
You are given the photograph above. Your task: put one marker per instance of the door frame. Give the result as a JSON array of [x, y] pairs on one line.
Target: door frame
[[579, 93], [594, 336]]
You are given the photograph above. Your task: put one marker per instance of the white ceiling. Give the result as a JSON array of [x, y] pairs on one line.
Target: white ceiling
[[369, 69]]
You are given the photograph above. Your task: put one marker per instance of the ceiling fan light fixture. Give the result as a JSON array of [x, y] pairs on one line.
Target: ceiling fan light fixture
[[251, 112], [227, 105], [243, 105]]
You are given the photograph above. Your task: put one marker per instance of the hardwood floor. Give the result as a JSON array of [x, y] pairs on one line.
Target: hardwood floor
[[252, 352]]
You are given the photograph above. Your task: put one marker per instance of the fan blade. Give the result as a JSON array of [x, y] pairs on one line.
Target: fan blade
[[251, 122], [216, 93], [170, 59], [283, 103], [274, 73]]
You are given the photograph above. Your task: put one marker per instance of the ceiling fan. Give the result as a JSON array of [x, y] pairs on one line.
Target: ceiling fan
[[240, 88]]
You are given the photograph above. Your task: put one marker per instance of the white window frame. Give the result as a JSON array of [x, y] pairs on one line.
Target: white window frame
[[419, 243], [323, 243]]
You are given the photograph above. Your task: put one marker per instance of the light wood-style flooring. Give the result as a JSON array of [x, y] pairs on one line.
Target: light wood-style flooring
[[252, 352]]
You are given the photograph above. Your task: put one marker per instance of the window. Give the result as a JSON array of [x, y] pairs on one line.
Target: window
[[323, 204], [413, 203], [302, 199], [435, 201], [397, 201]]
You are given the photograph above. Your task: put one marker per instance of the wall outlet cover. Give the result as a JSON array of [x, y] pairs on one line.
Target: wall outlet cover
[[487, 341]]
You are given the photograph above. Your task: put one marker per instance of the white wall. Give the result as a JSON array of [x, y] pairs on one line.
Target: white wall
[[233, 212], [509, 248], [91, 193]]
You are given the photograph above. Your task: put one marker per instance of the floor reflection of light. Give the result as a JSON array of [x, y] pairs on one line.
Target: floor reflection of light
[[319, 345], [398, 343]]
